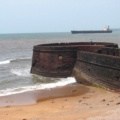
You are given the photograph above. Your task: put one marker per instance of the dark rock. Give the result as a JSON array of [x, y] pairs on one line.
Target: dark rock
[[74, 90], [118, 103], [103, 100]]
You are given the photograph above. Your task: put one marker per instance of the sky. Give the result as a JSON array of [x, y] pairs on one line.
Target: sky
[[39, 16]]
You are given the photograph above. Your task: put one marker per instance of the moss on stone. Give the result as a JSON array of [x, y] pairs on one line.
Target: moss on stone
[[99, 86]]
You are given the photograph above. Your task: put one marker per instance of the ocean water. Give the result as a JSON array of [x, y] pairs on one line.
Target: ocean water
[[16, 56]]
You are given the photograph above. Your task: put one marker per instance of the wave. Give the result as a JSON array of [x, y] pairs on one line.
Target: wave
[[61, 82], [13, 60], [21, 72], [27, 58], [4, 62]]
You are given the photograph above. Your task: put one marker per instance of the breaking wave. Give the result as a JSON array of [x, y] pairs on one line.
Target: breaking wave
[[21, 72], [4, 62], [13, 60], [61, 82]]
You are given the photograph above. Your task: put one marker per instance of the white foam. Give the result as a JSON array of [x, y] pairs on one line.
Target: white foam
[[4, 62], [62, 82], [24, 58], [10, 60], [21, 72]]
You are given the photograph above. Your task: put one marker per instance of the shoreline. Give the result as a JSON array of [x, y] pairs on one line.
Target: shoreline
[[73, 102], [34, 96]]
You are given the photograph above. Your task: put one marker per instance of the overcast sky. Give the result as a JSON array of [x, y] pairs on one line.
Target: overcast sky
[[31, 16]]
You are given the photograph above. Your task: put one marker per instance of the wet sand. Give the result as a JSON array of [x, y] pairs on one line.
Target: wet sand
[[71, 102]]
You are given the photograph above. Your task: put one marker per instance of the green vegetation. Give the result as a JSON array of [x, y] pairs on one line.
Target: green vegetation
[[99, 86]]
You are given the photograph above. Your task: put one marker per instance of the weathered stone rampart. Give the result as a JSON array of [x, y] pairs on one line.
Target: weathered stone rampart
[[110, 51], [100, 69], [97, 63], [58, 60], [53, 61], [99, 59]]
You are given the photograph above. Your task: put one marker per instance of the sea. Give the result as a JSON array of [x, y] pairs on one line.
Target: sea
[[16, 57]]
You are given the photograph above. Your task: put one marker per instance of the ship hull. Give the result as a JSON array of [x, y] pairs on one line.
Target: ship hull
[[91, 31]]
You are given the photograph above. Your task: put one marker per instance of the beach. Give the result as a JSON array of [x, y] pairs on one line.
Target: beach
[[73, 102]]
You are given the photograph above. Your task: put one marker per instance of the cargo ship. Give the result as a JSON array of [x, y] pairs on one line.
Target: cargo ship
[[96, 63], [105, 30]]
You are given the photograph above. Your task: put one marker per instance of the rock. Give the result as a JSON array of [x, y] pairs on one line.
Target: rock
[[103, 100], [118, 103], [74, 90]]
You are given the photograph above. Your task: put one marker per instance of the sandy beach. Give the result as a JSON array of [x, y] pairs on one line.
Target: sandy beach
[[71, 102]]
